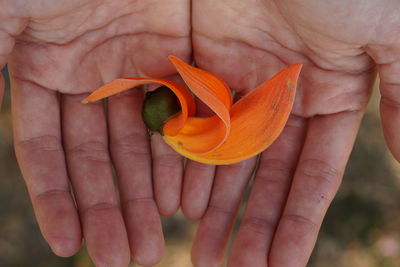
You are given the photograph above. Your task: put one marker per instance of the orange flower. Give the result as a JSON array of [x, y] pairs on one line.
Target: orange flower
[[236, 132]]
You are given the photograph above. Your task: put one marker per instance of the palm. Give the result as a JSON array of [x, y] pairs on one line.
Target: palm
[[257, 44], [73, 48], [85, 46], [299, 175]]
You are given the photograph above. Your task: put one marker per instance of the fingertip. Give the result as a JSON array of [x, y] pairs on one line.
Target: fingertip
[[120, 259], [149, 252], [167, 209], [167, 177], [190, 212], [200, 259], [65, 247], [149, 255], [207, 251], [145, 232], [116, 262], [197, 187]]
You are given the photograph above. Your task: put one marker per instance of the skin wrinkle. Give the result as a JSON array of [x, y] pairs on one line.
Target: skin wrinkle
[[129, 11], [82, 58], [36, 9], [314, 47], [20, 79], [130, 35], [329, 67], [101, 39], [76, 37], [383, 55], [322, 18], [39, 26], [49, 193], [125, 147], [43, 143], [251, 72], [95, 151], [310, 45]]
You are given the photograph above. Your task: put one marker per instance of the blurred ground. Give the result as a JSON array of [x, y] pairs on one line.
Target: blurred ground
[[362, 228]]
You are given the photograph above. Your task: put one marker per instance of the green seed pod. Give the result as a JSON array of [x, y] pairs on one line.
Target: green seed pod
[[159, 106]]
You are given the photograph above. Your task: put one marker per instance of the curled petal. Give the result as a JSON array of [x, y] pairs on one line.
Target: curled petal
[[256, 121], [119, 85], [202, 135]]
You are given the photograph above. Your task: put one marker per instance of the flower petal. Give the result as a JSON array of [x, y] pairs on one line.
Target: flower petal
[[256, 121], [214, 92], [199, 135], [119, 85]]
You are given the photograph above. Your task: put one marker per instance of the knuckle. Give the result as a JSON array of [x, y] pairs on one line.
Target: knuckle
[[100, 207], [41, 143], [199, 166], [144, 201], [319, 170], [299, 220], [51, 194], [257, 225], [221, 210], [390, 102], [134, 143], [320, 178], [274, 170], [168, 160], [91, 150]]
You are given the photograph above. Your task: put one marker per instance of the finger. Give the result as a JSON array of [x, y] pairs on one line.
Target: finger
[[130, 148], [198, 181], [37, 139], [85, 139], [318, 175], [267, 198], [214, 229], [390, 105], [167, 176]]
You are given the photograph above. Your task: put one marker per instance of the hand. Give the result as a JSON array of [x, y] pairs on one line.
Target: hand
[[63, 51], [245, 42]]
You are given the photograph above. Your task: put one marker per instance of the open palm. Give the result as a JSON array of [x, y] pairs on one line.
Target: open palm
[[66, 50], [246, 42]]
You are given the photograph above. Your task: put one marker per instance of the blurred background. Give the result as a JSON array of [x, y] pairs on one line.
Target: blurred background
[[361, 229]]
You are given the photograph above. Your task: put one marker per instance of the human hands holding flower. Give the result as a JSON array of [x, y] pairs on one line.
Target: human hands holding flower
[[74, 47]]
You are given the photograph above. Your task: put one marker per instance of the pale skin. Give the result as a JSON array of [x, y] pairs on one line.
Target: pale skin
[[74, 47]]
